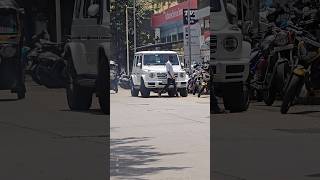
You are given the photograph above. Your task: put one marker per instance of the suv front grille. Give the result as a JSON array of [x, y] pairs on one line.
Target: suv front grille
[[163, 76], [213, 69], [213, 43], [235, 69]]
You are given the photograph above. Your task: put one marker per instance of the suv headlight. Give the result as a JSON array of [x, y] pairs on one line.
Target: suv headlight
[[152, 75], [230, 43], [8, 51]]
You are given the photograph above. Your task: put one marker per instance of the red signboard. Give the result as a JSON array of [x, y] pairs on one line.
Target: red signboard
[[172, 14]]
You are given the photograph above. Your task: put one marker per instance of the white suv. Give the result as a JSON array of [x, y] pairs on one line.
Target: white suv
[[149, 73], [87, 55], [230, 57]]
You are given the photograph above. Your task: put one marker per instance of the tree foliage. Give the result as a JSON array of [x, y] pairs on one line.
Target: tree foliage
[[145, 34]]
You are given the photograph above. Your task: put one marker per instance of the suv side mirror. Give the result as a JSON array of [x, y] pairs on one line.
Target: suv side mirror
[[232, 9], [182, 65], [139, 65], [93, 10]]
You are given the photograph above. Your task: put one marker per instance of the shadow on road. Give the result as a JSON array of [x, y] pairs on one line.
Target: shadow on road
[[90, 111], [8, 100], [305, 112], [129, 161]]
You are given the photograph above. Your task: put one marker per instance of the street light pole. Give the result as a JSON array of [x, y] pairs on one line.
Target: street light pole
[[127, 40], [58, 20], [134, 26], [189, 32]]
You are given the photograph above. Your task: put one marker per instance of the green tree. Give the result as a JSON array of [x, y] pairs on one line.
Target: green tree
[[145, 34]]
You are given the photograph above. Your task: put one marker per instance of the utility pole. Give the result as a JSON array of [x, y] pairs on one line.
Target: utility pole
[[58, 20], [189, 32], [134, 26], [127, 39]]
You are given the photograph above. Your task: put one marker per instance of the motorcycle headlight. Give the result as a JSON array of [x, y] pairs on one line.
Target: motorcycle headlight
[[8, 51], [230, 44], [152, 75], [281, 39]]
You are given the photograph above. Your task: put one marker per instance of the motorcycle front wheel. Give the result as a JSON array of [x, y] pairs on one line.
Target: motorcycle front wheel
[[293, 90]]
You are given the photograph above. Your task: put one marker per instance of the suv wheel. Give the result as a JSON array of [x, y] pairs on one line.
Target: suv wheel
[[134, 92], [145, 92], [79, 97], [171, 92], [183, 92], [21, 95], [235, 98], [103, 84]]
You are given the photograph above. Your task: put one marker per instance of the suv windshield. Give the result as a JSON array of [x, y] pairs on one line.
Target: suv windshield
[[215, 5], [160, 59], [8, 23]]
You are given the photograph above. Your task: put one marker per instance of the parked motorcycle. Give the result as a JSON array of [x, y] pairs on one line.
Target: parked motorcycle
[[47, 65], [114, 79], [204, 83], [305, 73], [280, 62]]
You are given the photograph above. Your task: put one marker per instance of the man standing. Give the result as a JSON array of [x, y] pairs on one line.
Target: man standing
[[214, 107], [170, 77]]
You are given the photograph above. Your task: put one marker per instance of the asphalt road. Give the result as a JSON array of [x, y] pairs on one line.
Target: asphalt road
[[40, 138], [159, 138], [262, 144]]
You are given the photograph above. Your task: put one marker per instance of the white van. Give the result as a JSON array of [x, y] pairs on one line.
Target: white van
[[149, 73]]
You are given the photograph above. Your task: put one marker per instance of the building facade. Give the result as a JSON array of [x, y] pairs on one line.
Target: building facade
[[170, 29], [204, 20]]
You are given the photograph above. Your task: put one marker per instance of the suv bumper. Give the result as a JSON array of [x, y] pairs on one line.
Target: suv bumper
[[161, 84], [230, 71]]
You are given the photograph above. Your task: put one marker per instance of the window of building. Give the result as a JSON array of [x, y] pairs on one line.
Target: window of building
[[180, 36], [174, 38], [168, 38]]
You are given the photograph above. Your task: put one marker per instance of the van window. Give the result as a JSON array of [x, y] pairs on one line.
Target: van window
[[215, 6]]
